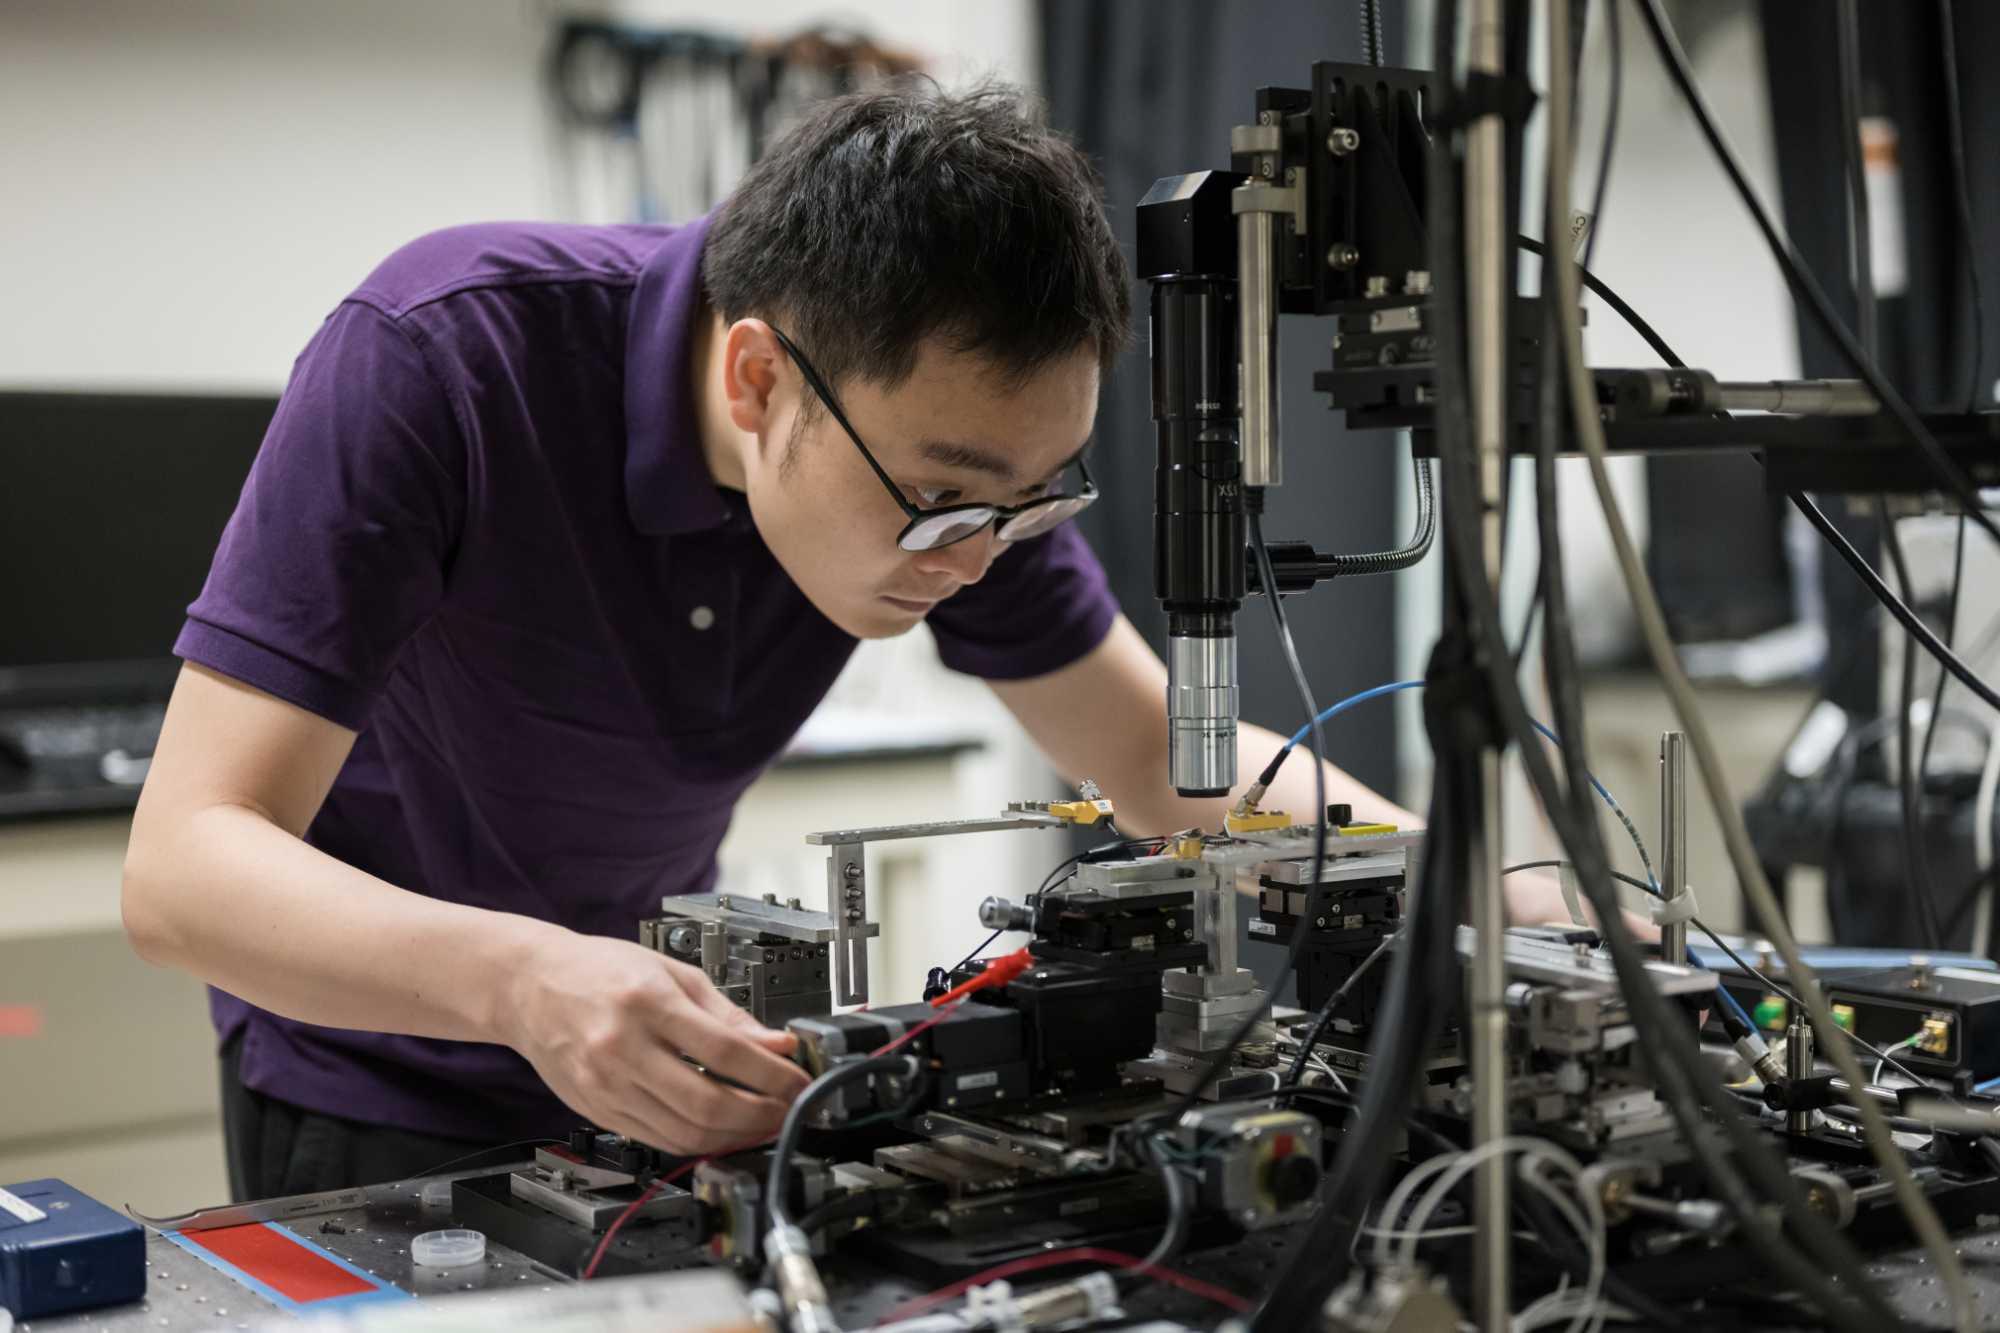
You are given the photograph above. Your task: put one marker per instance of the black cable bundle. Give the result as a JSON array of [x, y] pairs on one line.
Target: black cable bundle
[[1422, 991], [1683, 1082], [1423, 978], [1320, 1262], [776, 1183], [1861, 276]]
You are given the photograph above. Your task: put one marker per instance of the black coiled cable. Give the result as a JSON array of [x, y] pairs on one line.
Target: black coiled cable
[[1388, 562]]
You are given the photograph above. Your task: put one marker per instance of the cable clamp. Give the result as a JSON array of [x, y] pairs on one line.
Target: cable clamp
[[1484, 93], [1677, 910]]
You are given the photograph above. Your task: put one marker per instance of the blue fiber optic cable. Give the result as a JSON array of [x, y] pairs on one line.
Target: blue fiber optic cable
[[1396, 686]]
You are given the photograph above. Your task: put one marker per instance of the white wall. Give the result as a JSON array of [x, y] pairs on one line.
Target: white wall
[[192, 185], [960, 40], [196, 184]]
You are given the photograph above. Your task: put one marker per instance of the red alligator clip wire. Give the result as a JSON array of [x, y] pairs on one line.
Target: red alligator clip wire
[[998, 973]]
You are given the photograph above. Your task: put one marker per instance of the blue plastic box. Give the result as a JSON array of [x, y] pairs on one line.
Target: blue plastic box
[[62, 1250]]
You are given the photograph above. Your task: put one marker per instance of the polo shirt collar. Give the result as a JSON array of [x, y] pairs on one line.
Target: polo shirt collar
[[668, 487]]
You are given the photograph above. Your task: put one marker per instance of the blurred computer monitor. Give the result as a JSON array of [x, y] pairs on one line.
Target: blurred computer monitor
[[110, 508]]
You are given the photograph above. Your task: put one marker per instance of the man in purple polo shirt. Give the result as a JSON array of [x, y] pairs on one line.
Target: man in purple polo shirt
[[558, 535]]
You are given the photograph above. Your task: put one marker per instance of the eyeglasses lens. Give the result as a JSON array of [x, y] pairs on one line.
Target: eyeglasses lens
[[935, 530], [1034, 522]]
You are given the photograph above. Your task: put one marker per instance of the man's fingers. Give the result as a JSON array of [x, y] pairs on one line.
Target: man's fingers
[[720, 1005], [780, 1043], [702, 1113], [730, 1051]]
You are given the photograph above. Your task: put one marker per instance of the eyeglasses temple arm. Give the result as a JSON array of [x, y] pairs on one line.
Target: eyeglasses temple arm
[[819, 386]]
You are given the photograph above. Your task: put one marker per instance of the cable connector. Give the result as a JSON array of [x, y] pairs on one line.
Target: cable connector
[[788, 1251], [1750, 1044], [1089, 1298], [1251, 795]]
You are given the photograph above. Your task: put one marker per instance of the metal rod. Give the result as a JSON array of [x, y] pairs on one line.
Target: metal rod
[[261, 1210], [1489, 1049], [1488, 252], [1885, 1097], [1814, 398], [1673, 839], [1798, 1066], [715, 952], [1257, 321]]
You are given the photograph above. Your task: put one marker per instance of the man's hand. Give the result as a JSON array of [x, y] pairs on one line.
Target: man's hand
[[1534, 900], [606, 1024]]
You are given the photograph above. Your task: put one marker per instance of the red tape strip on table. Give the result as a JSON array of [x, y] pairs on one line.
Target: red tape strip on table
[[280, 1262]]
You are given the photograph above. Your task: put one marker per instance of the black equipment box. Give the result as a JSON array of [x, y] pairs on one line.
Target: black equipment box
[[1152, 932], [1941, 1019], [1081, 1023], [1350, 918]]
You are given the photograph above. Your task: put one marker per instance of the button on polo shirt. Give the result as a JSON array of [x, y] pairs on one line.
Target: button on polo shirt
[[482, 535]]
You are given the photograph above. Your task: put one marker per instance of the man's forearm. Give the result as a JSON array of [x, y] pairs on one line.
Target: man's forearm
[[1293, 790], [227, 895]]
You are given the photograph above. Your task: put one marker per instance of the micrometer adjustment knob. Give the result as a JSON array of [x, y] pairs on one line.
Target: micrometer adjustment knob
[[997, 913]]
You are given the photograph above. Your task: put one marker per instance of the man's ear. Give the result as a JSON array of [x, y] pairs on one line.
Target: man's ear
[[752, 366]]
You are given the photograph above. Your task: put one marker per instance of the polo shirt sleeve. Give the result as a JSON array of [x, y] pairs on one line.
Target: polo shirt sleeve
[[343, 536], [1041, 606]]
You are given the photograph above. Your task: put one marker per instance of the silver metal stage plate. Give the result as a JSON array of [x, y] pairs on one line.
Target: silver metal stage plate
[[805, 925], [1025, 819], [1553, 963]]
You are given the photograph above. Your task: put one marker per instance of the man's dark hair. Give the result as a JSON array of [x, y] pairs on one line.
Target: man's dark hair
[[889, 216]]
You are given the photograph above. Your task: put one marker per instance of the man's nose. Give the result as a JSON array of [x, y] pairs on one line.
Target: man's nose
[[963, 562]]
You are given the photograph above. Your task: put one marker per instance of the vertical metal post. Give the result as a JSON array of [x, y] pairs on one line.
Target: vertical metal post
[[715, 951], [1798, 1066], [1215, 924], [1487, 255], [1673, 839], [1257, 324], [847, 904]]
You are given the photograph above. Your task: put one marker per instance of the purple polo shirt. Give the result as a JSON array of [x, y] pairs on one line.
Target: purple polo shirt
[[481, 533]]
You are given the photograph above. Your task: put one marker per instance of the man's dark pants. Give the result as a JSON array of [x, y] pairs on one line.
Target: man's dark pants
[[276, 1148]]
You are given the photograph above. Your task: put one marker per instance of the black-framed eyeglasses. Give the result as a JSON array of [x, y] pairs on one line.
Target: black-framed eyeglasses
[[928, 529]]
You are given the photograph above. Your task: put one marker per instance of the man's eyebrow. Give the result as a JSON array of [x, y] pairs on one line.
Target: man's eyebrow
[[952, 454]]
